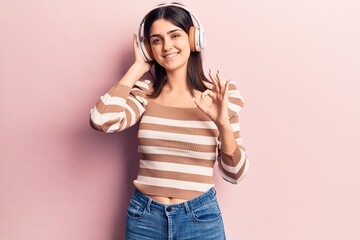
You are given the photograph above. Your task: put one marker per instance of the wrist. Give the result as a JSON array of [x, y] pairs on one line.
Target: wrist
[[223, 126], [137, 71], [141, 68], [133, 74]]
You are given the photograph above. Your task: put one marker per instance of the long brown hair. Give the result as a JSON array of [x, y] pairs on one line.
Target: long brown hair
[[182, 19]]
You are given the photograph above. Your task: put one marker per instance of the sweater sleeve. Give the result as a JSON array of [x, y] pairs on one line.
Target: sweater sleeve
[[233, 166], [121, 107]]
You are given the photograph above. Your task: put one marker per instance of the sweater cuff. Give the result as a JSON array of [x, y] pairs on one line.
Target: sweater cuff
[[231, 159]]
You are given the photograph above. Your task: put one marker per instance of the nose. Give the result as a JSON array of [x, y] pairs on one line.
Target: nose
[[167, 44]]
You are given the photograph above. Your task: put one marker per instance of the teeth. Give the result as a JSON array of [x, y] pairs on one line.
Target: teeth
[[171, 55]]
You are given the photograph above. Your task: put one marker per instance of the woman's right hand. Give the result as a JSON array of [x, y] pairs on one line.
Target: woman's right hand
[[139, 60]]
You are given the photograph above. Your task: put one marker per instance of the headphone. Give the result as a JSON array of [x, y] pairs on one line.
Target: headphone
[[196, 34]]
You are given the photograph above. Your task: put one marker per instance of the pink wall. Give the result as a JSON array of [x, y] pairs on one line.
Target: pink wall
[[297, 65]]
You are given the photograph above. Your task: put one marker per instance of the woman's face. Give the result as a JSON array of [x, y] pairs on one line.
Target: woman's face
[[169, 45]]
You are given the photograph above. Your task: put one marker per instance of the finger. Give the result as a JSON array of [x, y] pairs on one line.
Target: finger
[[227, 86], [211, 77], [222, 84], [136, 47], [200, 105], [226, 90], [209, 93], [215, 81], [135, 44]]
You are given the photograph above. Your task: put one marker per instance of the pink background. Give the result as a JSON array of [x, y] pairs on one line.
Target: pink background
[[296, 63]]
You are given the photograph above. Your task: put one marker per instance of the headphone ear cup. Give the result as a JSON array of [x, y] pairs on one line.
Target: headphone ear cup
[[144, 50], [192, 38], [202, 39], [196, 40]]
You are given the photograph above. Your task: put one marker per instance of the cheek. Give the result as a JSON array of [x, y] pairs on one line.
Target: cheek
[[156, 51], [186, 49], [184, 44], [155, 48]]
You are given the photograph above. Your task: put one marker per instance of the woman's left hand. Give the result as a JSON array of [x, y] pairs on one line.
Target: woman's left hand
[[217, 110]]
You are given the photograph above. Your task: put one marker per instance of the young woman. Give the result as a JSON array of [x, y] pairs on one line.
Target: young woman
[[187, 122]]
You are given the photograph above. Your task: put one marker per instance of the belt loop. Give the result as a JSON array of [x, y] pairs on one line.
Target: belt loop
[[187, 208], [148, 205], [214, 191]]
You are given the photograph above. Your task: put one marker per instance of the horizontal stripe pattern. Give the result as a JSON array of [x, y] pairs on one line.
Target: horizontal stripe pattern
[[177, 159], [179, 123], [176, 175], [176, 167], [181, 130], [186, 138], [176, 152], [120, 108], [177, 146]]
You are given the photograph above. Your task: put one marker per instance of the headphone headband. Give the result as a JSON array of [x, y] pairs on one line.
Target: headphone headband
[[198, 38], [179, 6]]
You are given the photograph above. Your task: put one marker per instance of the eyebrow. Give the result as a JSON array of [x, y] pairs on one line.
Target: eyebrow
[[169, 32]]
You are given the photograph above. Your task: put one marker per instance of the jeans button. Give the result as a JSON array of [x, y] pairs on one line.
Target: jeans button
[[168, 209]]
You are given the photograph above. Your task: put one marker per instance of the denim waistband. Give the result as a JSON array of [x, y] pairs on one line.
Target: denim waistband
[[149, 203]]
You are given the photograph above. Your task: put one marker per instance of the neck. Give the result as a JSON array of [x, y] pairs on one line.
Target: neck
[[177, 80]]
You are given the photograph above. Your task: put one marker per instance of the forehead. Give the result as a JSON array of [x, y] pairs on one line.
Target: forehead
[[162, 26]]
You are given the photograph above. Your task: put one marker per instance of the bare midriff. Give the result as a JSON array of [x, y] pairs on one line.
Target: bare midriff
[[166, 200]]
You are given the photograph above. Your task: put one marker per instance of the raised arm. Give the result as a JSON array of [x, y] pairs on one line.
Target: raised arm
[[123, 105]]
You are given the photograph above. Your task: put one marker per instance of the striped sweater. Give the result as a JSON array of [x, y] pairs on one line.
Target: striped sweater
[[178, 147]]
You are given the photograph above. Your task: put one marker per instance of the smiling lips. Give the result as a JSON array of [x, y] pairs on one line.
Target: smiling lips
[[170, 55]]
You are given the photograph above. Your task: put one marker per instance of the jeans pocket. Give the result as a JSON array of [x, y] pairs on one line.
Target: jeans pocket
[[209, 212], [135, 210]]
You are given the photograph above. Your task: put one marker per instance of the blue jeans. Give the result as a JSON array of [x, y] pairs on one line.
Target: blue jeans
[[199, 218]]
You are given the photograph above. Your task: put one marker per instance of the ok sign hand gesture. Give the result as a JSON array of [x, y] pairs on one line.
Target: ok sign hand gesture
[[218, 108]]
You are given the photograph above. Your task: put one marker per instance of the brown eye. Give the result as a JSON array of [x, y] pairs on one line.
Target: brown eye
[[156, 41], [175, 36]]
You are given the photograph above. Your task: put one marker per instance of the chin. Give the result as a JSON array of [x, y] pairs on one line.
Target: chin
[[174, 65]]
